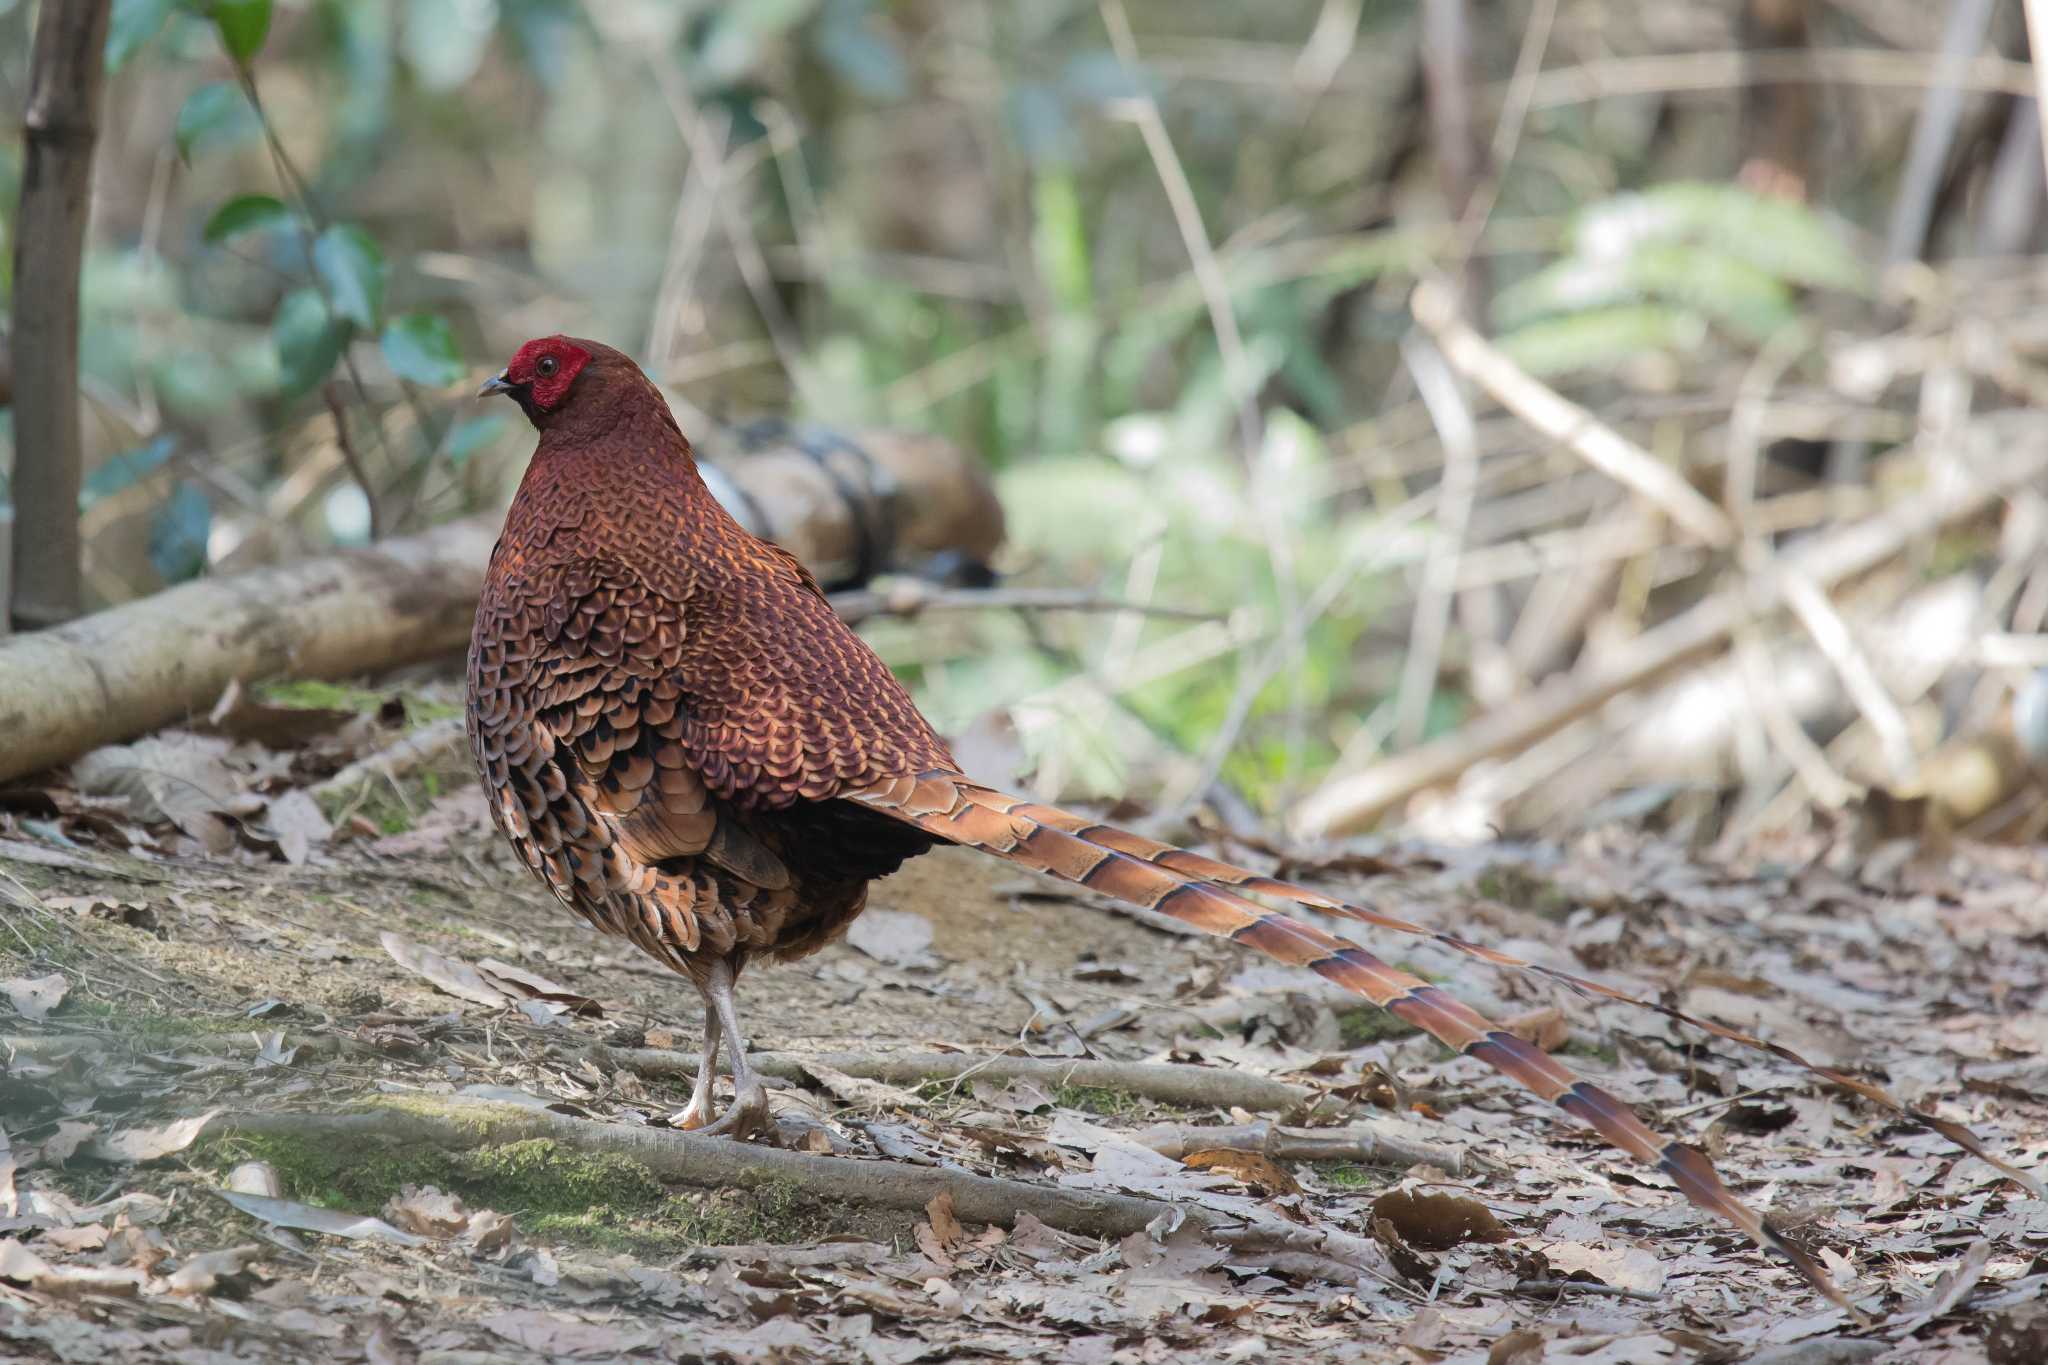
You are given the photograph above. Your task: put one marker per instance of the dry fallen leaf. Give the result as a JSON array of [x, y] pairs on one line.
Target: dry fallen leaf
[[458, 979], [1954, 1285], [1519, 1347], [864, 1093], [285, 1213], [517, 982], [33, 997], [174, 776], [21, 1266], [256, 1177], [1438, 1222], [69, 1137], [215, 1272], [489, 1231], [1545, 1027], [896, 937], [295, 825], [941, 1232], [427, 1211], [91, 1237], [1262, 1173], [148, 1144]]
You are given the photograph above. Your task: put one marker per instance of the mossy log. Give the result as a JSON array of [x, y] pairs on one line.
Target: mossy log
[[685, 1158]]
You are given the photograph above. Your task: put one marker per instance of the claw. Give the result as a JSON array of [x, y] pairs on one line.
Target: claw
[[745, 1116]]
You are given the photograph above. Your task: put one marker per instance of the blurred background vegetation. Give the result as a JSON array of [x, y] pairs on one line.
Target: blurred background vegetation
[[1150, 261]]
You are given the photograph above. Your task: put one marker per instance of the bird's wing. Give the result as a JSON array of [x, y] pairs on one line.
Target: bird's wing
[[576, 718], [1212, 896]]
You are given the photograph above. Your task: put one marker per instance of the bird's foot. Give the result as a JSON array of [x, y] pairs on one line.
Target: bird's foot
[[745, 1116], [695, 1114]]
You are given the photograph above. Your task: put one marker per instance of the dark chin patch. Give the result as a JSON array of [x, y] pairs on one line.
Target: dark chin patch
[[522, 394]]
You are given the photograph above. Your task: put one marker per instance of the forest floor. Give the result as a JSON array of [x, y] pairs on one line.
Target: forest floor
[[246, 1119]]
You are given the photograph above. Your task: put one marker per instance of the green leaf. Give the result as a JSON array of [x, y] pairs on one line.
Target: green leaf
[[1600, 338], [421, 347], [214, 116], [125, 470], [308, 339], [352, 266], [245, 213], [243, 25], [132, 25], [177, 534], [472, 434]]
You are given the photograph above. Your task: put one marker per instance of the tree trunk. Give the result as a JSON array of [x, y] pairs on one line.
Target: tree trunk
[[65, 76]]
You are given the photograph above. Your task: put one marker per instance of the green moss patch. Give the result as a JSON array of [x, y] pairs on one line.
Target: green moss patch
[[555, 1193]]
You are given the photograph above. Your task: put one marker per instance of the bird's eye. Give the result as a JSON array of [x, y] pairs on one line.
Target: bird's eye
[[546, 366]]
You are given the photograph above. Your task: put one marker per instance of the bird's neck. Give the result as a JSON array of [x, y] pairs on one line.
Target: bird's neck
[[579, 495]]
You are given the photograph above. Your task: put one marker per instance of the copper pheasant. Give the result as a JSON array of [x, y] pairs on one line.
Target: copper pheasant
[[694, 753]]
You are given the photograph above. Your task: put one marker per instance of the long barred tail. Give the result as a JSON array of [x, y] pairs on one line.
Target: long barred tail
[[1206, 894], [1194, 867]]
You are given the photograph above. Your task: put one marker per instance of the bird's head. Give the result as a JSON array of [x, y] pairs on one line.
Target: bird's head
[[542, 374]]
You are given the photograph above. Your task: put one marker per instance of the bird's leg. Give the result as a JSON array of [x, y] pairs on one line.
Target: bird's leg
[[750, 1098], [697, 1112]]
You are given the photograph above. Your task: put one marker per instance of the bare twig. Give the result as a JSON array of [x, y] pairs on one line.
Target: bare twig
[[1507, 130], [61, 124], [349, 456], [1237, 371], [1934, 130], [1192, 1086], [1453, 418], [1350, 802], [1362, 1143], [1704, 72], [1810, 606], [408, 754], [1564, 421]]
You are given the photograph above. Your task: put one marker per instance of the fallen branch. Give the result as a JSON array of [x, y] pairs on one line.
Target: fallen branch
[[1195, 1087], [1361, 1143], [717, 1163], [2013, 457], [153, 662], [118, 673], [409, 754]]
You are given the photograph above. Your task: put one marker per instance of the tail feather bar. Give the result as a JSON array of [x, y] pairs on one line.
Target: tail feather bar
[[1209, 895]]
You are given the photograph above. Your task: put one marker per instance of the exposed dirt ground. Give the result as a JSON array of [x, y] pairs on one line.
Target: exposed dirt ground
[[235, 985]]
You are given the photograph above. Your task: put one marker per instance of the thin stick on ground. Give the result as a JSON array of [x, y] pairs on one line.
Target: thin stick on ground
[[408, 754], [1195, 1087], [1359, 1143]]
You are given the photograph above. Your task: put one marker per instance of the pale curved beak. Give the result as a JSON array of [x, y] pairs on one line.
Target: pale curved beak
[[497, 383]]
